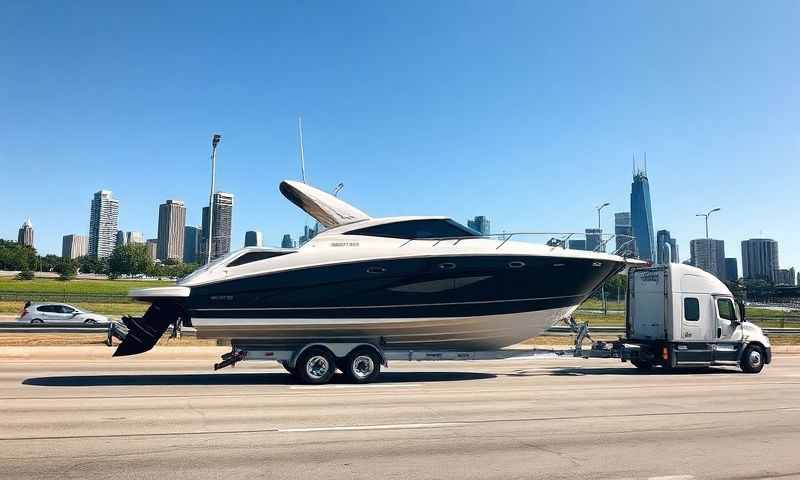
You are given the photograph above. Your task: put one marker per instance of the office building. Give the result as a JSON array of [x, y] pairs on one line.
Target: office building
[[760, 259], [480, 224], [134, 237], [673, 251], [121, 240], [171, 224], [25, 234], [252, 238], [308, 234], [785, 277], [642, 217], [287, 241], [221, 232], [74, 246], [594, 240], [731, 270], [623, 234], [664, 247], [103, 224], [191, 244], [152, 248], [709, 254], [576, 244]]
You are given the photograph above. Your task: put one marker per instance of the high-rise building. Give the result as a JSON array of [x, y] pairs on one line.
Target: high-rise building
[[594, 240], [642, 216], [25, 234], [103, 224], [480, 224], [760, 259], [666, 248], [287, 241], [576, 244], [252, 238], [171, 224], [191, 244], [121, 240], [623, 234], [152, 248], [673, 251], [731, 270], [308, 234], [134, 237], [709, 255], [785, 277], [74, 245], [221, 234]]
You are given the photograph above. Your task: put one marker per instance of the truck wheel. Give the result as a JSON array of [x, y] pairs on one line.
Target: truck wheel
[[315, 366], [752, 359], [362, 365], [642, 365]]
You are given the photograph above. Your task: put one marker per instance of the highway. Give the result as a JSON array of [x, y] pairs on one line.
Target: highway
[[80, 414]]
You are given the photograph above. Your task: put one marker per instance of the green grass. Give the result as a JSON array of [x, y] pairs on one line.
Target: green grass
[[76, 287]]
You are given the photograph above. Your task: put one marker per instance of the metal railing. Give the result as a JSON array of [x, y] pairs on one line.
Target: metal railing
[[556, 240]]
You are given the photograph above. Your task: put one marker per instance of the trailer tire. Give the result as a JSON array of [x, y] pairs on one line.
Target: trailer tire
[[362, 365], [752, 359], [642, 365], [315, 366]]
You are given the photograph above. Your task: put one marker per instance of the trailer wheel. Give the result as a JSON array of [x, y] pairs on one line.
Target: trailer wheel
[[315, 366], [752, 359], [642, 365], [362, 365]]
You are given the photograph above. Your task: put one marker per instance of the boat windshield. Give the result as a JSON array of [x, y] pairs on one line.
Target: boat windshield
[[414, 229]]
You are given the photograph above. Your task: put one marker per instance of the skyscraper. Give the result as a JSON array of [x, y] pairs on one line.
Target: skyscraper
[[25, 234], [480, 224], [171, 224], [287, 241], [221, 232], [731, 270], [576, 244], [673, 251], [121, 239], [74, 245], [642, 216], [760, 259], [152, 248], [103, 224], [594, 240], [623, 234], [664, 248], [134, 237], [785, 276], [308, 234], [252, 238], [191, 244], [709, 255]]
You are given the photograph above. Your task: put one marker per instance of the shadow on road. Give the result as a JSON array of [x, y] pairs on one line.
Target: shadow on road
[[232, 379], [578, 371]]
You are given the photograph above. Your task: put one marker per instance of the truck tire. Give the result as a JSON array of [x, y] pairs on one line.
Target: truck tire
[[362, 365], [752, 359], [642, 365], [315, 366]]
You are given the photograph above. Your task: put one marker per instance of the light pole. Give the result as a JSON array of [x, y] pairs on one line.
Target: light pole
[[600, 236], [706, 215], [214, 142]]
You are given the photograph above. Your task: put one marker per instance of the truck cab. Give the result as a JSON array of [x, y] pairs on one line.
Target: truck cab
[[681, 316]]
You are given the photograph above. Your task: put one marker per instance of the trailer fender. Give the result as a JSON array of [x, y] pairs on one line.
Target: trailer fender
[[339, 350]]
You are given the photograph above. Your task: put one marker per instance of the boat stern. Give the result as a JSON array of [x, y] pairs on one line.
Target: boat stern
[[139, 335]]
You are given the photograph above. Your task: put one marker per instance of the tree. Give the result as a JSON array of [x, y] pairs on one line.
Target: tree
[[14, 256], [131, 259], [89, 264], [67, 269]]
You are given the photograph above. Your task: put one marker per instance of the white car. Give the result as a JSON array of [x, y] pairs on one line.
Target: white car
[[58, 313]]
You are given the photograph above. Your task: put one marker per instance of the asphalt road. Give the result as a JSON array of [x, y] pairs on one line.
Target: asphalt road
[[563, 418]]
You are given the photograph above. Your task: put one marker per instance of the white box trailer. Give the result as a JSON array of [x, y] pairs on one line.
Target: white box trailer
[[678, 315]]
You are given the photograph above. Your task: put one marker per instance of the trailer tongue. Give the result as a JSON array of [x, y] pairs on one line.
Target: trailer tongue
[[139, 335]]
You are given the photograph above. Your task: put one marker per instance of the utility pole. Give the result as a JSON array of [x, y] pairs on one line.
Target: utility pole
[[214, 142]]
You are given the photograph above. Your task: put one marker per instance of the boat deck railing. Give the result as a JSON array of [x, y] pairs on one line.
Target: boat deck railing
[[556, 240]]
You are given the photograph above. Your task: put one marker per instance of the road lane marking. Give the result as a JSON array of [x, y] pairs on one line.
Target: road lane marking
[[397, 426], [673, 477]]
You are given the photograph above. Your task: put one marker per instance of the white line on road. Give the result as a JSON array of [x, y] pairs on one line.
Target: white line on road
[[673, 477], [397, 426]]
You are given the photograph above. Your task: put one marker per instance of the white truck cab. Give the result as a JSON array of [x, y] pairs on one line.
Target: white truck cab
[[679, 315]]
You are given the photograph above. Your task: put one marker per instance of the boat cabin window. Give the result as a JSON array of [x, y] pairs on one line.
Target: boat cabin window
[[411, 229], [254, 257]]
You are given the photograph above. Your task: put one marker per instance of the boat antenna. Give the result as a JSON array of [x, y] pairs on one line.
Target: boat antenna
[[338, 189], [302, 154]]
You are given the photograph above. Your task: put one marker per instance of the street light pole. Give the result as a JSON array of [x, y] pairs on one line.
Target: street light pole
[[598, 214], [706, 215], [599, 234], [214, 142]]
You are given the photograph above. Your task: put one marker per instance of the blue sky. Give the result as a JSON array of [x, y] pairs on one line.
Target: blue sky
[[528, 112]]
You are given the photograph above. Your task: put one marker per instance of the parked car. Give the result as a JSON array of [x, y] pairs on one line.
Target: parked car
[[58, 313]]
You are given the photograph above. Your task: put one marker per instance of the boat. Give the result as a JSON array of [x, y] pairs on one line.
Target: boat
[[411, 283]]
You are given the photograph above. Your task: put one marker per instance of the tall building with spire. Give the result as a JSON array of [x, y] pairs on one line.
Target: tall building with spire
[[103, 224], [642, 216], [25, 235]]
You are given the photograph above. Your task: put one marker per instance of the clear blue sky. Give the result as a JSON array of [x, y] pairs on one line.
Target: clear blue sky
[[528, 112]]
